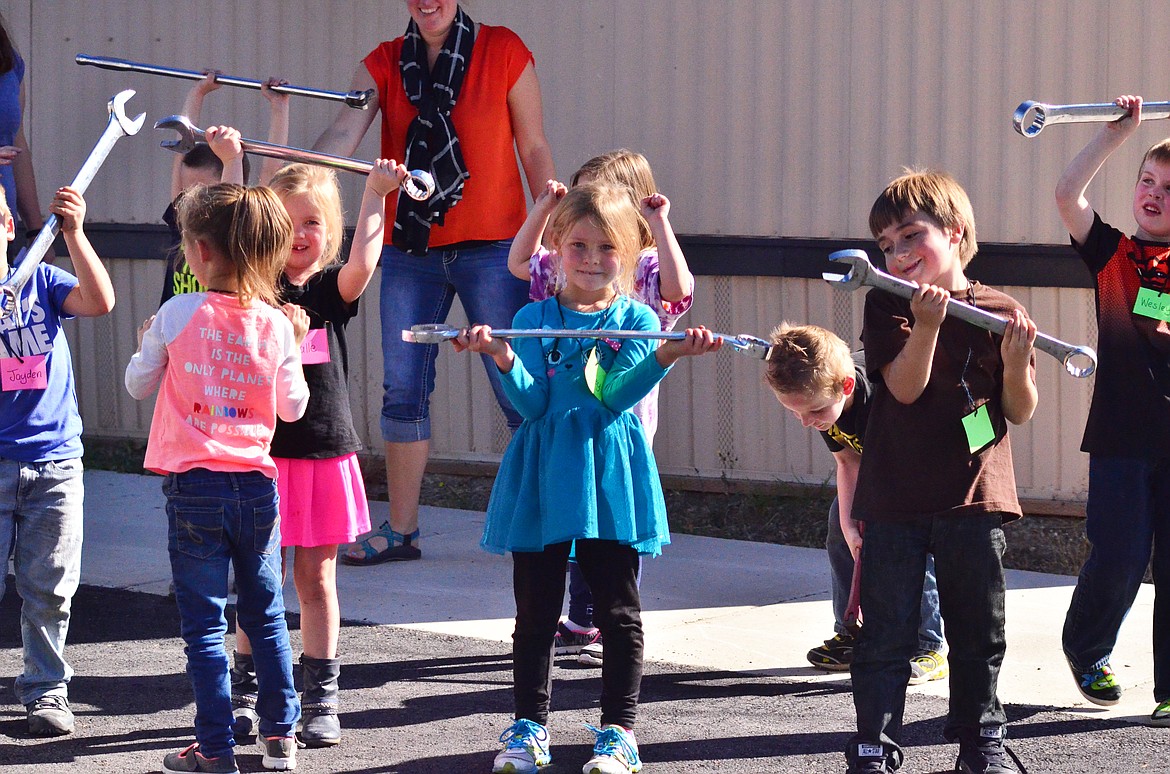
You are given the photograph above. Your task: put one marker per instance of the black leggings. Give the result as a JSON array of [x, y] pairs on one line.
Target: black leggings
[[538, 581]]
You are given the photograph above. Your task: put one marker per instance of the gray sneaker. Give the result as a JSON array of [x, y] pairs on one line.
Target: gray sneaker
[[280, 752], [50, 716]]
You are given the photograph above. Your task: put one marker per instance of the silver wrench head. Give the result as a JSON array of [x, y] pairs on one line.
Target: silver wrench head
[[419, 185], [117, 108], [859, 270], [189, 134], [750, 345], [430, 333], [1029, 118]]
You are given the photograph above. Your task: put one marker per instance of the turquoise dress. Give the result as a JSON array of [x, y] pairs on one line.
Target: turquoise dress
[[579, 465]]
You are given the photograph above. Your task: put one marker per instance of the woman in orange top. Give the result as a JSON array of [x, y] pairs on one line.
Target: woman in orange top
[[461, 100]]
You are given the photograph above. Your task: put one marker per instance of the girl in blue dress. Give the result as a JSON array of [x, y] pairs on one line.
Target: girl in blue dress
[[579, 469]]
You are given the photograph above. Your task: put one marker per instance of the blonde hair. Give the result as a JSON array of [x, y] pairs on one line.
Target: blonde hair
[[247, 226], [932, 193], [807, 360], [624, 167], [612, 209], [319, 184]]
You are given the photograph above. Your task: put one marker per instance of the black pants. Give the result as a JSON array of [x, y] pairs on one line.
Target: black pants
[[538, 581]]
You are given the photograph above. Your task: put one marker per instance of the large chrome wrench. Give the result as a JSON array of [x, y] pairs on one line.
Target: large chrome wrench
[[862, 272], [117, 127], [436, 334], [419, 185], [355, 99], [1031, 116]]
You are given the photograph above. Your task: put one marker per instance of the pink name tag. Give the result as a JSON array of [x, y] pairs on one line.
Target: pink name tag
[[315, 347], [29, 374]]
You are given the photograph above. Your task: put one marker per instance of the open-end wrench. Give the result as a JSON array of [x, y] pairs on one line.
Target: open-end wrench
[[419, 184], [436, 334], [862, 272], [117, 127], [355, 99], [1031, 116]]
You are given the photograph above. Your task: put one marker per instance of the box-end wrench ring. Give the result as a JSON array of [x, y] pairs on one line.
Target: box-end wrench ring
[[862, 272]]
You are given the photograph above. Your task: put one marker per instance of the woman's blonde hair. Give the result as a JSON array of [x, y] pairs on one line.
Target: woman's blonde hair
[[625, 167], [319, 184], [611, 208], [247, 226]]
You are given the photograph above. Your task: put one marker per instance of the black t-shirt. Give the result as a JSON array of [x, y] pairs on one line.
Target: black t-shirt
[[178, 277], [326, 430], [849, 429]]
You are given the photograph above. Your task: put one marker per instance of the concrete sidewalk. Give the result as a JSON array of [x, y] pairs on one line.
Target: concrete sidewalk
[[710, 603]]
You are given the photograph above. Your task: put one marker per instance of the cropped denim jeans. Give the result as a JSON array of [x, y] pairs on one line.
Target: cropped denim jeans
[[930, 627], [421, 289], [41, 509], [1127, 517], [968, 553], [216, 519]]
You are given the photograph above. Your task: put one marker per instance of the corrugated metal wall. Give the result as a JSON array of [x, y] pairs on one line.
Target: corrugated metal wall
[[761, 117]]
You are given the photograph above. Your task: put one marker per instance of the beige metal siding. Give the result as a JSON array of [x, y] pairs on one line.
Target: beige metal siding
[[761, 117]]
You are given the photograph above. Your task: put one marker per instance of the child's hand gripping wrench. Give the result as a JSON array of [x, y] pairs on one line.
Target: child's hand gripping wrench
[[117, 127], [862, 272]]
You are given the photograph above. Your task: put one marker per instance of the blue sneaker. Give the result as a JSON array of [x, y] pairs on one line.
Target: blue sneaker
[[525, 749], [614, 752]]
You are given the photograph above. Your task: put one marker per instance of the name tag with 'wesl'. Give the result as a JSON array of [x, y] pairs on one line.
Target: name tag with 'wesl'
[[31, 373], [1151, 303]]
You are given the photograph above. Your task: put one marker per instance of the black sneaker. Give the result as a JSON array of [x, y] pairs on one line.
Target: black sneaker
[[1098, 684], [984, 752], [835, 655], [49, 716], [567, 642], [869, 759]]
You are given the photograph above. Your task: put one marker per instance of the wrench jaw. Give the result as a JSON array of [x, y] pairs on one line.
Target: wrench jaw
[[751, 346], [117, 108], [7, 301], [189, 134], [359, 99], [1085, 354], [859, 269], [429, 333]]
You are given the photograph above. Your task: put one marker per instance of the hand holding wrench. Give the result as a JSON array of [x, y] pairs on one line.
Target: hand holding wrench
[[117, 127], [419, 185], [862, 272]]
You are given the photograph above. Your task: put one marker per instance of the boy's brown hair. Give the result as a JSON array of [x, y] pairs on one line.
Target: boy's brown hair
[[807, 360], [611, 207], [932, 193], [247, 226], [1159, 152]]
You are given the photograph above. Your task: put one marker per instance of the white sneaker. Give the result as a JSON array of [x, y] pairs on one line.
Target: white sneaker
[[525, 749], [614, 752]]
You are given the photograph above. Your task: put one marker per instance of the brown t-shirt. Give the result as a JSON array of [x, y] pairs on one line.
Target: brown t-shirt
[[918, 460]]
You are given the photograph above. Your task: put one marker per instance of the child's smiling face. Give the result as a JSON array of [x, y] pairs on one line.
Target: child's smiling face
[[1151, 201], [918, 249]]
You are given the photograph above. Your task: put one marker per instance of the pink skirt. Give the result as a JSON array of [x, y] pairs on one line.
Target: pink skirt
[[322, 502]]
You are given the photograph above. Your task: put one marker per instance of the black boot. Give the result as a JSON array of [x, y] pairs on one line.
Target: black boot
[[319, 724], [244, 695]]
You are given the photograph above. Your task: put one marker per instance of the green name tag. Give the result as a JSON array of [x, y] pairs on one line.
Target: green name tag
[[980, 433], [1151, 303], [594, 373]]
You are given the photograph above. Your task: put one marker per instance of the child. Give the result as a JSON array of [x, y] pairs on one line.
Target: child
[[226, 364], [200, 166], [813, 375], [322, 496], [1128, 510], [662, 281], [40, 458], [580, 469], [936, 477]]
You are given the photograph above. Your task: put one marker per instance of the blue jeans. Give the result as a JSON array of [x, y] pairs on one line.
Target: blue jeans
[[1127, 516], [41, 507], [968, 553], [417, 290], [930, 627], [216, 519]]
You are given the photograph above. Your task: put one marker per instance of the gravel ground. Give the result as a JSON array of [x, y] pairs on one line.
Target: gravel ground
[[416, 702]]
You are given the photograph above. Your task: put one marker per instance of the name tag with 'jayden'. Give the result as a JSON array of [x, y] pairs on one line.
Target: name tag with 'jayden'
[[27, 374], [1151, 303], [315, 347]]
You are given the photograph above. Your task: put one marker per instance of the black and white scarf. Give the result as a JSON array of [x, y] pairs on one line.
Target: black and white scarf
[[431, 143]]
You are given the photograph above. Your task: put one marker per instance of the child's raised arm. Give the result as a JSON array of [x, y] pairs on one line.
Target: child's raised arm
[[94, 294], [1074, 208], [527, 240], [277, 125], [355, 275], [675, 281], [192, 107], [224, 142]]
